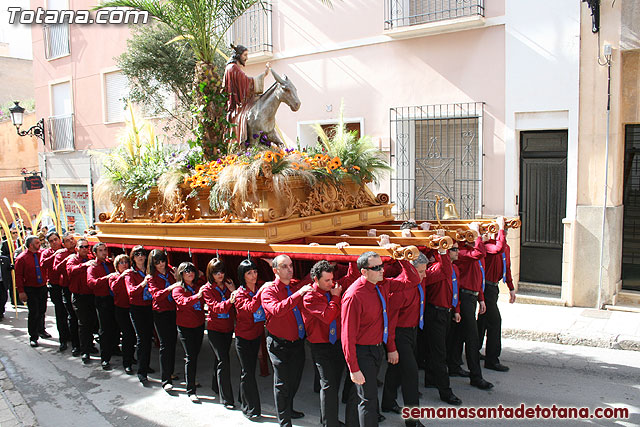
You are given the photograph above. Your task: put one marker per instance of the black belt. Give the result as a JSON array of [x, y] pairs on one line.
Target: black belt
[[369, 345], [284, 341], [448, 310], [491, 283], [467, 291]]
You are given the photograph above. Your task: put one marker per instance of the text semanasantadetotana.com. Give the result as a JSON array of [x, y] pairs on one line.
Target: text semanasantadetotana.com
[[518, 412], [17, 15]]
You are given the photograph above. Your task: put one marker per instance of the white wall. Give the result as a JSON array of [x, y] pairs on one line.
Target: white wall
[[541, 79]]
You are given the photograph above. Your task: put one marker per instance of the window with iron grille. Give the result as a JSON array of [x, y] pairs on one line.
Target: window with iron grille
[[56, 40], [437, 152], [253, 29], [402, 13]]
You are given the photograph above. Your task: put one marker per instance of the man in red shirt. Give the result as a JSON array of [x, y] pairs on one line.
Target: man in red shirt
[[321, 316], [282, 301], [55, 290], [472, 283], [498, 267], [98, 281], [83, 299], [31, 283], [443, 299], [365, 328], [60, 271]]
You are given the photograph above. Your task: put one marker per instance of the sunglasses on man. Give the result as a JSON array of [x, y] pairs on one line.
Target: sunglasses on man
[[376, 268], [83, 246]]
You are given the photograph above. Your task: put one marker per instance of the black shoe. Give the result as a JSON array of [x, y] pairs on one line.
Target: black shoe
[[496, 367], [452, 399], [150, 370], [395, 408], [381, 418], [231, 406], [45, 335], [63, 347], [128, 370], [86, 359], [143, 379], [459, 373], [252, 417], [75, 352], [482, 384], [33, 343], [106, 365], [296, 414]]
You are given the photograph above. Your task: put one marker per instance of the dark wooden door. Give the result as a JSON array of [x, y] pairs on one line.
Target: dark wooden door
[[543, 201]]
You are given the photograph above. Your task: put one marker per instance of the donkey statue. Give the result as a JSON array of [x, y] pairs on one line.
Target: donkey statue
[[261, 118]]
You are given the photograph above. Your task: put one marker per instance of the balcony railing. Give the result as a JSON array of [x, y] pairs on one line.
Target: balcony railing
[[56, 40], [253, 29], [61, 133], [403, 13]]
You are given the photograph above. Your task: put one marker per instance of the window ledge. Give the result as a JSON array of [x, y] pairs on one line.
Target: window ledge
[[53, 58], [438, 27], [258, 57]]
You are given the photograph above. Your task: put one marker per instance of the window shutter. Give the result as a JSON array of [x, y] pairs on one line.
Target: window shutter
[[116, 93]]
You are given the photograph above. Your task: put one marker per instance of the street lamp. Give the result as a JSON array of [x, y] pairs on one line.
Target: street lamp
[[17, 113]]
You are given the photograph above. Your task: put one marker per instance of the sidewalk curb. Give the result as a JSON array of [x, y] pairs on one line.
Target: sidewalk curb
[[617, 342], [13, 400]]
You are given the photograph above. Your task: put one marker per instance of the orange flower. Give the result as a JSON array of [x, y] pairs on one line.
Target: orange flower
[[268, 156], [328, 169], [295, 166], [199, 168], [356, 168]]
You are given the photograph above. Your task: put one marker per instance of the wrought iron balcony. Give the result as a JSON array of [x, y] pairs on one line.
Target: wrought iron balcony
[[404, 13], [56, 40], [253, 30], [61, 133]]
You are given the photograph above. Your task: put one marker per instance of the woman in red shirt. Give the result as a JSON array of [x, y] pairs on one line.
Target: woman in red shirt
[[219, 296], [161, 285], [249, 331], [190, 321], [121, 307], [140, 309]]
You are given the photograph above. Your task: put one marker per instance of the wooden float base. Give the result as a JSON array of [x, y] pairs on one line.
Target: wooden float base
[[216, 234]]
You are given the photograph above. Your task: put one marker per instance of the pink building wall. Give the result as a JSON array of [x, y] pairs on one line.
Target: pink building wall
[[93, 48]]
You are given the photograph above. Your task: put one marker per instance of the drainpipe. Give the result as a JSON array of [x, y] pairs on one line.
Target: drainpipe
[[607, 55]]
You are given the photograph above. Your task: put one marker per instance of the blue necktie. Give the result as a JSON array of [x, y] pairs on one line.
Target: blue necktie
[[454, 288], [298, 316], [221, 292], [333, 336], [106, 270], [38, 272], [258, 315], [196, 306], [482, 270], [421, 324], [146, 295], [504, 267], [167, 283], [385, 332]]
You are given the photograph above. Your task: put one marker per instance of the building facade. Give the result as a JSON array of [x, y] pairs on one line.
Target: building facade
[[495, 104]]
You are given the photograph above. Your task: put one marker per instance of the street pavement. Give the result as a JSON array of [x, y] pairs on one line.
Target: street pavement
[[61, 391]]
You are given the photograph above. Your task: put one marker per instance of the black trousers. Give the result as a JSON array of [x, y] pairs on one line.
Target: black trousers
[[4, 293], [404, 373], [108, 326], [248, 355], [85, 308], [220, 344], [362, 403], [165, 322], [466, 332], [329, 361], [191, 339], [128, 335], [439, 322], [142, 320], [72, 319], [62, 322], [287, 358], [491, 323], [37, 306]]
